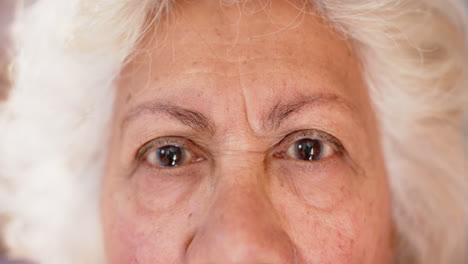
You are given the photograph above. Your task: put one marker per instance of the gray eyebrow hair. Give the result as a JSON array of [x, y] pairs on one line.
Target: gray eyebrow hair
[[281, 111], [275, 117], [191, 118]]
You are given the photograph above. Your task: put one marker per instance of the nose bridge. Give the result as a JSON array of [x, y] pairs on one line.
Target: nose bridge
[[242, 167], [243, 204], [241, 226]]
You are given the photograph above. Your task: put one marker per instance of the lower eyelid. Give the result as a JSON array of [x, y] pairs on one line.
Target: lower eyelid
[[307, 166]]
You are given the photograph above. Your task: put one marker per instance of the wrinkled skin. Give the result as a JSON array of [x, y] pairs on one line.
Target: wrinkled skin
[[236, 86]]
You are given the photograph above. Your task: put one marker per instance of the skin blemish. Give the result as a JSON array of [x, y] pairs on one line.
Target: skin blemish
[[128, 98]]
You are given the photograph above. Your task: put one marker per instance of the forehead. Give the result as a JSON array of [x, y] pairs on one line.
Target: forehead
[[209, 54]]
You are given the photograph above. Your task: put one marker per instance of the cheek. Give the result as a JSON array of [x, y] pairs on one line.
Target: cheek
[[341, 223], [325, 238], [340, 237], [132, 237], [131, 233], [122, 234], [147, 220], [121, 241]]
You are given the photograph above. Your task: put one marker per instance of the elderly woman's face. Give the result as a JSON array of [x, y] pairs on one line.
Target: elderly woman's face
[[245, 136]]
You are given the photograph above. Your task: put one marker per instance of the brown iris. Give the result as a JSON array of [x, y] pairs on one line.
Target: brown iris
[[309, 149], [170, 156]]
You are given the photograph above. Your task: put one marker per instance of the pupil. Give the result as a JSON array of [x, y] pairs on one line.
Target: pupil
[[309, 149], [170, 156]]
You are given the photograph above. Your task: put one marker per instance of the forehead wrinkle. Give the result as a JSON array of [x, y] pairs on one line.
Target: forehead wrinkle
[[191, 118]]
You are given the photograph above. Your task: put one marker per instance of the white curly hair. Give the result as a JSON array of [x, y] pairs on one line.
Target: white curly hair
[[54, 125]]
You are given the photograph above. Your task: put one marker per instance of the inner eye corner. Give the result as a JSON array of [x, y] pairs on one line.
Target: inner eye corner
[[279, 155]]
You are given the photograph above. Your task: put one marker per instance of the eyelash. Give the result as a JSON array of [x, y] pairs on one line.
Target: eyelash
[[295, 136], [283, 145], [163, 141]]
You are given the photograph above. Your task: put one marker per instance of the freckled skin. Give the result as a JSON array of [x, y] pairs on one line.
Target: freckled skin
[[241, 205]]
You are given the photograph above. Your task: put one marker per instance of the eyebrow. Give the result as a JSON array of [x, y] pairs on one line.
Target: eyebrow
[[281, 111], [274, 118], [191, 118]]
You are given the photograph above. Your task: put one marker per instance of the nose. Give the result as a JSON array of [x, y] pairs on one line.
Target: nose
[[241, 227]]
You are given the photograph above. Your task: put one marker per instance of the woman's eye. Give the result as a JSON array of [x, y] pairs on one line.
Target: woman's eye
[[309, 149], [168, 156]]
